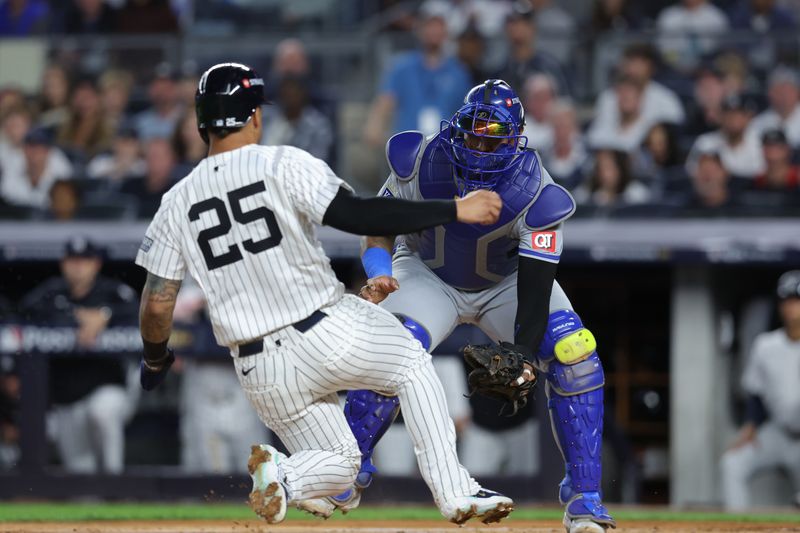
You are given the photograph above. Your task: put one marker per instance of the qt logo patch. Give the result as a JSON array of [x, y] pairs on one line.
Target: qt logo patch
[[544, 241]]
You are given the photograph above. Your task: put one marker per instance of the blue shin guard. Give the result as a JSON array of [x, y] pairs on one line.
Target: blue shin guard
[[575, 402], [369, 415]]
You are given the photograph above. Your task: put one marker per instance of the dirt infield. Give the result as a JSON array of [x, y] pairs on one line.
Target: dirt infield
[[395, 526]]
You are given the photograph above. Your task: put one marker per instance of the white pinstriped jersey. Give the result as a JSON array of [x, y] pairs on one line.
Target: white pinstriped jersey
[[242, 223]]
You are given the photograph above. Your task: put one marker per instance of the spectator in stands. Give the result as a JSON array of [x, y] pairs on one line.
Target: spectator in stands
[[780, 173], [538, 97], [770, 436], [525, 57], [160, 175], [85, 132], [291, 59], [187, 84], [626, 128], [739, 146], [711, 191], [471, 52], [784, 105], [146, 16], [559, 26], [165, 106], [611, 182], [705, 114], [615, 15], [659, 104], [65, 199], [14, 125], [55, 90], [487, 16], [10, 97], [422, 87], [295, 122], [658, 160], [123, 162], [115, 91], [26, 182], [89, 16], [189, 147], [690, 30], [90, 402], [19, 18], [770, 26], [566, 158]]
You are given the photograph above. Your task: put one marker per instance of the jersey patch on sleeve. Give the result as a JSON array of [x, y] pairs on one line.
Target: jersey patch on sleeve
[[387, 192], [544, 241], [147, 242]]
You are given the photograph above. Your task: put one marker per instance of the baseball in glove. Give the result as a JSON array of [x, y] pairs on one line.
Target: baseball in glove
[[498, 371]]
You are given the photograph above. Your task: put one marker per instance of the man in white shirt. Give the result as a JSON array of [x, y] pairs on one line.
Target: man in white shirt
[[689, 31], [659, 104], [538, 99], [784, 106], [738, 145], [627, 127], [26, 181]]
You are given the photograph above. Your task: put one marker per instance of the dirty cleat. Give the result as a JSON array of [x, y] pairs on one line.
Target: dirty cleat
[[585, 513], [486, 505], [268, 497]]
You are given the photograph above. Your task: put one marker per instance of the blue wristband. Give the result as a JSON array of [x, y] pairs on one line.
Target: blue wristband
[[377, 262]]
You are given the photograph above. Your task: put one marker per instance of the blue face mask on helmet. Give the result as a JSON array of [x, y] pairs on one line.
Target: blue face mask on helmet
[[485, 136]]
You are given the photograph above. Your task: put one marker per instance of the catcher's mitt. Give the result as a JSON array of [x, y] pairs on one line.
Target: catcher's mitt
[[495, 372]]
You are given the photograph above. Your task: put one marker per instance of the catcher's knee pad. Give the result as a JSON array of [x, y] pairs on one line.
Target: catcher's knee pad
[[369, 415], [565, 339], [417, 330]]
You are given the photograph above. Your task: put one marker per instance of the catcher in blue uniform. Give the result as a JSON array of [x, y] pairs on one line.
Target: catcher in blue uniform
[[500, 278]]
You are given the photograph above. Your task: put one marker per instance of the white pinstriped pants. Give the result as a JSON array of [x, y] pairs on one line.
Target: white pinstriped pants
[[293, 385]]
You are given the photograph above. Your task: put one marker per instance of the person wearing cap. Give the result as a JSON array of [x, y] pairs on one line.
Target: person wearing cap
[[159, 120], [421, 87], [780, 172], [26, 182], [784, 105], [770, 436], [525, 57], [90, 403], [123, 161], [738, 145]]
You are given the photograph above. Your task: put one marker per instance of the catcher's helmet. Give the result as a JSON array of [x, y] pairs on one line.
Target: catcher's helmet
[[227, 96], [485, 135]]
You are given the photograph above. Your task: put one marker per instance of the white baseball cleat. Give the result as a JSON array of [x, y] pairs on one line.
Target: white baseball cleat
[[486, 505], [324, 507], [582, 525], [268, 497]]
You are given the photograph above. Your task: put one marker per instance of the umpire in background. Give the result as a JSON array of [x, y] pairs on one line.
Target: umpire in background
[[89, 399], [770, 437]]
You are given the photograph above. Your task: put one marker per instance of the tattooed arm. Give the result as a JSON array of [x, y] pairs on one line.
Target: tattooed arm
[[155, 324]]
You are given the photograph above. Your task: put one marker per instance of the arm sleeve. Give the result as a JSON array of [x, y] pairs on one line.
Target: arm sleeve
[[310, 183], [160, 253], [534, 284], [382, 215], [754, 379]]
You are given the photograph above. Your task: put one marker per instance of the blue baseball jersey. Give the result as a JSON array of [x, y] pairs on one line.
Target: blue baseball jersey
[[472, 256]]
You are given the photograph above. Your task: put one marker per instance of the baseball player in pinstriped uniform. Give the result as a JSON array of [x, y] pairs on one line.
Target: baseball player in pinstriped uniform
[[770, 437], [242, 224]]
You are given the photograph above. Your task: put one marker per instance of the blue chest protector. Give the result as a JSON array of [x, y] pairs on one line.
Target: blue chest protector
[[465, 256]]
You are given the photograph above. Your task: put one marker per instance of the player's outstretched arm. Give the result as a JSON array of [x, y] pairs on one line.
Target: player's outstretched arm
[[381, 215], [155, 323]]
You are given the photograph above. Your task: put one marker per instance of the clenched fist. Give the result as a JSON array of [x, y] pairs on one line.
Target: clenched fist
[[479, 207], [378, 288]]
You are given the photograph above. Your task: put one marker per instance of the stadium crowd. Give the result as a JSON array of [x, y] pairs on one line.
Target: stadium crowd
[[684, 124]]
